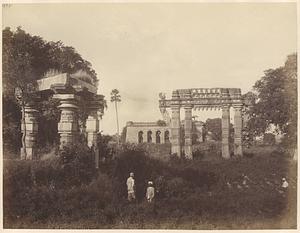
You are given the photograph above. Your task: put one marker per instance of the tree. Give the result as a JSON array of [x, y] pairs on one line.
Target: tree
[[276, 102], [215, 127], [269, 139], [249, 99], [17, 68], [116, 97], [124, 134], [161, 123]]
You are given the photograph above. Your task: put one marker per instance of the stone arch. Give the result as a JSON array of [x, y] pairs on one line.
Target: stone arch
[[149, 136], [157, 136], [167, 136], [140, 136]]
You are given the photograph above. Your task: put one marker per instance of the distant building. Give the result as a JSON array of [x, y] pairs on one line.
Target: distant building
[[149, 132], [154, 132]]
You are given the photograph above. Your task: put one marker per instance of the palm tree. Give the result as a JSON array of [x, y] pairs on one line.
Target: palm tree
[[115, 97]]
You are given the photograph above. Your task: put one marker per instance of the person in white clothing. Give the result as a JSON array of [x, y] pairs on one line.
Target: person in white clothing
[[131, 187], [285, 184], [150, 192]]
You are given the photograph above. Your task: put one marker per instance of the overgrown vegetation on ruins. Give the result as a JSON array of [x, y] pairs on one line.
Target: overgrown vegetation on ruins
[[27, 58]]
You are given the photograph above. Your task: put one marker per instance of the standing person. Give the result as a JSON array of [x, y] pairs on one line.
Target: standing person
[[150, 192], [285, 184], [131, 187]]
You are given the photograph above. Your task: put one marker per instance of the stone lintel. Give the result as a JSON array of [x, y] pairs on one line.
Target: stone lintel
[[66, 81], [66, 97], [238, 105], [188, 107]]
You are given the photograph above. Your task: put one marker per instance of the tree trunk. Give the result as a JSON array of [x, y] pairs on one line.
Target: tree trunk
[[117, 120], [24, 131]]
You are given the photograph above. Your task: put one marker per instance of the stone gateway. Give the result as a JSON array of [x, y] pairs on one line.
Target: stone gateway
[[201, 99]]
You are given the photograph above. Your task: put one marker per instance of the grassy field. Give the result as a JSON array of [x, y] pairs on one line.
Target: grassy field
[[192, 194]]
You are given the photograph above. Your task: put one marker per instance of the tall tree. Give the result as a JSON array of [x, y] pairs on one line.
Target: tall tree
[[115, 98], [18, 73], [277, 102]]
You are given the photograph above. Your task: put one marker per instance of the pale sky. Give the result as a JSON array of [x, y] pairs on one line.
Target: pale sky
[[146, 48]]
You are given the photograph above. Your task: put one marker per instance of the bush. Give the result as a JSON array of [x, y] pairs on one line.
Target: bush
[[199, 155], [269, 139]]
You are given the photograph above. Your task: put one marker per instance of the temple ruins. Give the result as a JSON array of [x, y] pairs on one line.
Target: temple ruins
[[69, 90]]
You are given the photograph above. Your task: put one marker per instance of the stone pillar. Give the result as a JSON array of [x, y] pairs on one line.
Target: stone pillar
[[68, 128], [238, 124], [175, 124], [92, 127], [225, 131], [188, 132], [31, 126], [96, 108], [162, 136], [175, 130]]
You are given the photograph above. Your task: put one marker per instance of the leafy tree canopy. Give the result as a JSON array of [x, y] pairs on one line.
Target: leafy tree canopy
[[27, 58], [276, 101], [215, 127]]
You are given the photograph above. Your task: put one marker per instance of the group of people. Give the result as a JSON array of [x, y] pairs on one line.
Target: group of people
[[150, 192], [245, 183]]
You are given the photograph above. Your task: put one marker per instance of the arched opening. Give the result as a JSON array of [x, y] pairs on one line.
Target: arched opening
[[167, 137], [157, 138], [149, 136], [140, 137]]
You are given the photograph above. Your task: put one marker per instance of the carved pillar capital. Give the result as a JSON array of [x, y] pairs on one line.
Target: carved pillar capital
[[225, 107], [238, 106]]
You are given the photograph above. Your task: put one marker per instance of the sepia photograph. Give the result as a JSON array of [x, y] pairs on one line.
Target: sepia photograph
[[149, 115]]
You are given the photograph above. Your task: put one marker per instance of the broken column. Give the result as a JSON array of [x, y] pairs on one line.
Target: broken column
[[96, 107], [30, 131], [238, 124], [92, 123]]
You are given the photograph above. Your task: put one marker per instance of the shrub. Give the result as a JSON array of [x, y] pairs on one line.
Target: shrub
[[269, 139], [197, 154]]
